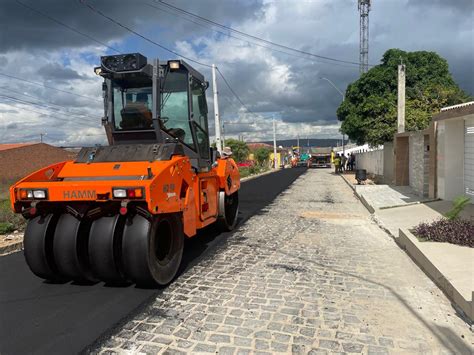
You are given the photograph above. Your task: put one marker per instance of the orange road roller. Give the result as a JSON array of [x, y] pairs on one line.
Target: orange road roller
[[121, 212]]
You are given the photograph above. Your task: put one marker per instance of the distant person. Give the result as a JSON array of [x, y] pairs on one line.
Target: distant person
[[337, 163], [343, 163], [352, 160]]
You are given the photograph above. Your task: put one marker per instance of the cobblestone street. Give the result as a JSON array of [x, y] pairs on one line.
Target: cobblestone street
[[311, 273]]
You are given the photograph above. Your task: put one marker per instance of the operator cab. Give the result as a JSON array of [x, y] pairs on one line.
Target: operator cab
[[156, 103]]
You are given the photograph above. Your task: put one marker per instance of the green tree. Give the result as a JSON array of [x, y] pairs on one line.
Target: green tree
[[240, 150], [369, 111], [261, 155]]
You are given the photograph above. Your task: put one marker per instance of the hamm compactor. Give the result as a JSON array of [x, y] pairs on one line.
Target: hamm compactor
[[121, 212]]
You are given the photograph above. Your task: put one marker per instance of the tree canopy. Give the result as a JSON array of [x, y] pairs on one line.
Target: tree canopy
[[369, 111], [240, 150]]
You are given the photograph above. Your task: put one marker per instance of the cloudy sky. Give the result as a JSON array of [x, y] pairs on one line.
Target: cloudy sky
[[272, 82]]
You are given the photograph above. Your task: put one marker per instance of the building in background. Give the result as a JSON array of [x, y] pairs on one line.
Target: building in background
[[20, 160]]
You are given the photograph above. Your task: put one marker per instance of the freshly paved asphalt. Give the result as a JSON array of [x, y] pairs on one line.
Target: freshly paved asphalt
[[41, 318]]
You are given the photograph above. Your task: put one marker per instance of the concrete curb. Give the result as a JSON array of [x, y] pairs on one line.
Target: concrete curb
[[11, 248], [410, 203], [463, 306], [359, 196]]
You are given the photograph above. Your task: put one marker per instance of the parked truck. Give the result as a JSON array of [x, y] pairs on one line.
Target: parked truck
[[320, 158]]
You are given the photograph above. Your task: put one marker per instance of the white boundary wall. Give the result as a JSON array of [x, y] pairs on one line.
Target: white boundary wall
[[371, 161]]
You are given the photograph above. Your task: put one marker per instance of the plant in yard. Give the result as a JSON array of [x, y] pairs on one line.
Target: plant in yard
[[240, 150], [6, 227], [459, 204], [455, 231], [8, 218], [261, 155]]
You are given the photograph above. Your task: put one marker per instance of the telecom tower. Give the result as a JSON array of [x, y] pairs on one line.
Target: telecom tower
[[364, 8]]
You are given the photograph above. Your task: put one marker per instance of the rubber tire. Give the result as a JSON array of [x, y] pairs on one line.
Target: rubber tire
[[70, 248], [38, 247], [139, 260], [227, 219], [105, 248]]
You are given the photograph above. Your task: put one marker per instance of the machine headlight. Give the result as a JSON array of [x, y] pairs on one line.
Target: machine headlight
[[128, 192], [33, 194], [120, 193], [173, 65], [39, 194]]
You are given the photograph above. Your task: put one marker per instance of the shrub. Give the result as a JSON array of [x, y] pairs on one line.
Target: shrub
[[455, 231], [262, 154], [6, 227], [240, 150], [458, 205], [7, 217]]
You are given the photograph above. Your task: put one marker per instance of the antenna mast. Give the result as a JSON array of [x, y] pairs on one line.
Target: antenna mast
[[364, 8]]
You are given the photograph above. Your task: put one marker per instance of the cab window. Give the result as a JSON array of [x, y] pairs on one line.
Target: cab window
[[132, 108], [199, 104], [174, 107]]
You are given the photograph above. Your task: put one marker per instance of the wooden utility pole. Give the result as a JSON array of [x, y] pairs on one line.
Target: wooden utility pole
[[401, 98]]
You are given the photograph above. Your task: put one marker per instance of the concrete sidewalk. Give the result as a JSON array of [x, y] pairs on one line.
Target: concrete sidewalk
[[397, 209]]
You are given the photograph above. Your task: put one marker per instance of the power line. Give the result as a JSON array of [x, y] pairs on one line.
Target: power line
[[65, 25], [25, 102], [254, 37], [234, 93], [245, 40], [49, 87], [39, 112], [93, 9], [47, 103]]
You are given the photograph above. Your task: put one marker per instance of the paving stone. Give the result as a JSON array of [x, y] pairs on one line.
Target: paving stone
[[142, 336], [182, 333], [317, 352], [245, 342], [171, 351], [184, 344], [377, 350], [129, 345], [352, 347], [204, 348], [150, 349], [278, 347], [233, 321], [329, 344], [261, 344], [280, 337], [219, 338], [162, 340], [309, 332], [263, 334], [226, 350], [243, 331], [244, 352], [298, 349]]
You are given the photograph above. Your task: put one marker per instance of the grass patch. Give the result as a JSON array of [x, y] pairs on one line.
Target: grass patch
[[455, 231], [6, 227], [246, 171], [9, 221]]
